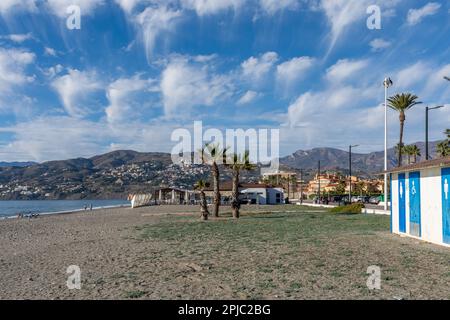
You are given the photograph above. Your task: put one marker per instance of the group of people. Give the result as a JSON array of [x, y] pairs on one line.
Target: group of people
[[86, 207]]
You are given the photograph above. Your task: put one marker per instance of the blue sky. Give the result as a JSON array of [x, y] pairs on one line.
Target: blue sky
[[138, 69]]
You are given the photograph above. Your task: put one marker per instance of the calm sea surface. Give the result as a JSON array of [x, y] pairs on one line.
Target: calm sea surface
[[12, 208]]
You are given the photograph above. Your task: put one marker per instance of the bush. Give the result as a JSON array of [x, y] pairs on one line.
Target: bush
[[355, 208]]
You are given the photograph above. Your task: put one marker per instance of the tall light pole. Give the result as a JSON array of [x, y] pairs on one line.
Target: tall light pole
[[301, 186], [350, 171], [427, 110], [387, 83], [318, 177]]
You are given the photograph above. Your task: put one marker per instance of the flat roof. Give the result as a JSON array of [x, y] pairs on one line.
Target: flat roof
[[435, 163]]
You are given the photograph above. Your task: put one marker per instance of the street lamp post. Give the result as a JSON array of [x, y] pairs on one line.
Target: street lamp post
[[301, 186], [318, 177], [427, 110], [387, 83], [350, 171]]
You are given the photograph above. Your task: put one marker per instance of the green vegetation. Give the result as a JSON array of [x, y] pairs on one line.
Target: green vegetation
[[401, 103], [295, 253], [354, 208]]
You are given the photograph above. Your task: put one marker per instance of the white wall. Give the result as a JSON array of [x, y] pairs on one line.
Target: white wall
[[271, 195], [262, 197], [394, 203], [430, 204]]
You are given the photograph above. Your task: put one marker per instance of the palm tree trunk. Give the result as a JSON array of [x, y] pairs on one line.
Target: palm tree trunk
[[204, 206], [235, 205], [216, 178], [402, 125]]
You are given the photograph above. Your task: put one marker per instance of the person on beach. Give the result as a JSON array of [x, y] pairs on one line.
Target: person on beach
[[91, 207]]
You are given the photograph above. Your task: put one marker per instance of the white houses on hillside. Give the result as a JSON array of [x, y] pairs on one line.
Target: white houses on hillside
[[420, 200]]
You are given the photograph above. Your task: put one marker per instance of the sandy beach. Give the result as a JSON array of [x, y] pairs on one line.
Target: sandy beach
[[166, 252]]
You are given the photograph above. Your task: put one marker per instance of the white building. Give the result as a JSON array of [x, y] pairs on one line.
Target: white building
[[253, 193], [421, 201], [262, 194]]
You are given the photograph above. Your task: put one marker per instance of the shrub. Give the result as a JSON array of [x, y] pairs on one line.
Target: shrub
[[355, 208]]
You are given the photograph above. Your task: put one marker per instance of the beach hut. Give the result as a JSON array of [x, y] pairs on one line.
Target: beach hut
[[421, 201]]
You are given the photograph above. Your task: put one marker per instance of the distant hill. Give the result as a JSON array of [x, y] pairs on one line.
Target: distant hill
[[336, 159], [16, 164]]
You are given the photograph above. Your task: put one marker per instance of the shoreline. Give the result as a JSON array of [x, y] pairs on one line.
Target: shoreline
[[45, 214]]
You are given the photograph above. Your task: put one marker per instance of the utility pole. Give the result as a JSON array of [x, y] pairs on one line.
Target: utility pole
[[301, 186], [318, 177], [350, 171], [387, 83]]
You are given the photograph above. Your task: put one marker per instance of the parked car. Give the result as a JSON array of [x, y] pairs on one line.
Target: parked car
[[374, 200]]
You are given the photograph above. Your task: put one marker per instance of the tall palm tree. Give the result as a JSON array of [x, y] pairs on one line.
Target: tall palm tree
[[237, 164], [447, 132], [415, 152], [213, 155], [401, 103], [201, 185], [443, 148], [398, 149]]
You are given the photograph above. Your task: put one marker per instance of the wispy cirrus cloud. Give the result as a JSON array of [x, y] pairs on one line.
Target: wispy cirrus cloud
[[415, 16]]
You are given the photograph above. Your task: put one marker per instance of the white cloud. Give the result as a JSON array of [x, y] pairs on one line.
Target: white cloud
[[207, 7], [257, 68], [185, 84], [128, 5], [7, 6], [64, 137], [412, 75], [119, 93], [12, 68], [73, 88], [59, 7], [53, 71], [290, 71], [248, 97], [344, 69], [273, 6], [18, 38], [415, 16], [341, 14], [153, 22], [379, 44], [50, 51]]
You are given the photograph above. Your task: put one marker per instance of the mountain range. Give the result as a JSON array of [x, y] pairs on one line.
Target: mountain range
[[116, 174]]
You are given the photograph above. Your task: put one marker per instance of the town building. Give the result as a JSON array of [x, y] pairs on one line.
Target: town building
[[421, 201], [251, 193]]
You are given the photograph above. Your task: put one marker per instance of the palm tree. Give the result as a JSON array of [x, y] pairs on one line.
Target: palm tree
[[213, 155], [408, 151], [443, 148], [401, 103], [447, 132], [415, 152], [399, 149], [238, 163], [201, 185]]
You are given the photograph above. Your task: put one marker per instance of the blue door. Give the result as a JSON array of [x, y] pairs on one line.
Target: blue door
[[446, 204], [401, 203], [414, 204]]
